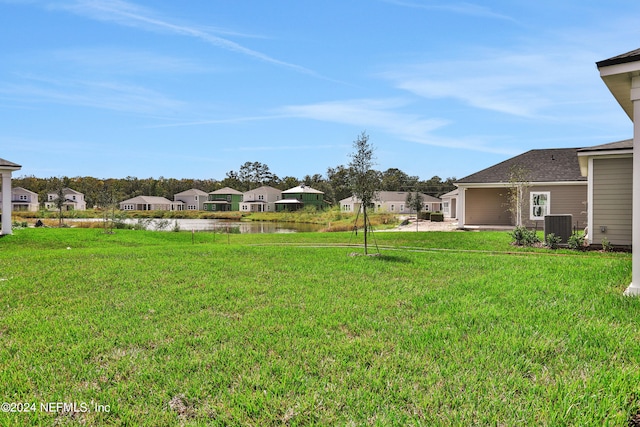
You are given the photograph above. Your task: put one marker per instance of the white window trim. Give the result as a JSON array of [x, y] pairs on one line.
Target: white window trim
[[547, 211]]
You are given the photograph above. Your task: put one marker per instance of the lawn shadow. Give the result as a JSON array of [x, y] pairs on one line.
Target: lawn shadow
[[383, 258]]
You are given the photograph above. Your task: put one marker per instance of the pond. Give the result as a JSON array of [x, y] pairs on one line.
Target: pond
[[218, 225]]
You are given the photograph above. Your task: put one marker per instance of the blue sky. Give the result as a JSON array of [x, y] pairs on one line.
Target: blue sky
[[193, 89]]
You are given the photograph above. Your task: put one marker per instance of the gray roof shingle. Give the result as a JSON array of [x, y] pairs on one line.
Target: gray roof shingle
[[8, 164], [632, 56], [620, 145], [545, 165]]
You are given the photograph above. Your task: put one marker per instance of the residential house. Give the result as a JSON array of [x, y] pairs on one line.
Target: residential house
[[23, 200], [553, 185], [298, 197], [449, 204], [73, 200], [150, 203], [621, 74], [223, 200], [6, 169], [392, 202], [262, 199], [192, 199], [609, 172]]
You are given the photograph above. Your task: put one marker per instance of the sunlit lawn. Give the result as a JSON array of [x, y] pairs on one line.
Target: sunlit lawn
[[204, 329]]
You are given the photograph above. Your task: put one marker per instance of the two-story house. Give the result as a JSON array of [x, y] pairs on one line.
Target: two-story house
[[73, 200], [223, 200], [298, 197], [23, 200], [193, 199], [262, 199]]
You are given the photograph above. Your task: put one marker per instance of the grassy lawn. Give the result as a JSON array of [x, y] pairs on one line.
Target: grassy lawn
[[442, 329]]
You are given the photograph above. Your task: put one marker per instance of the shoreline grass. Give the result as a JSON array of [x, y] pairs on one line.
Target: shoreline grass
[[288, 329]]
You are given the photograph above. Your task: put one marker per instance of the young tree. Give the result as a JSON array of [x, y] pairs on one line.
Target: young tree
[[517, 192], [415, 202], [363, 179]]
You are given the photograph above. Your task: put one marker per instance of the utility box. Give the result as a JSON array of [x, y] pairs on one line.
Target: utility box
[[559, 225]]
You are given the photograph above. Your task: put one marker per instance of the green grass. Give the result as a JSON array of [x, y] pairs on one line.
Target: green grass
[[289, 329]]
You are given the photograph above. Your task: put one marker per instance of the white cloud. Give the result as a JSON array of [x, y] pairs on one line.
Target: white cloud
[[462, 8], [384, 115], [132, 15], [97, 94], [527, 85]]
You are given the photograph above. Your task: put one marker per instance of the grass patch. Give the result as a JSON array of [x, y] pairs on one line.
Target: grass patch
[[441, 329]]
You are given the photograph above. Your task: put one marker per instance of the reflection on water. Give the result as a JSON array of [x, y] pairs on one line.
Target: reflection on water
[[224, 226]]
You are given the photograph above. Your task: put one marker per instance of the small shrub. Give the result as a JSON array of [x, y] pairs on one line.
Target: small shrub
[[552, 241], [424, 216], [437, 217], [606, 245], [576, 241], [523, 237]]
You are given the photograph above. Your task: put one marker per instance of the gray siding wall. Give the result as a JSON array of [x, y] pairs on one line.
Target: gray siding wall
[[565, 199], [612, 200], [489, 206]]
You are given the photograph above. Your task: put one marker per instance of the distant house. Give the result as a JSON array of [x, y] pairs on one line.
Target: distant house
[[223, 200], [609, 170], [392, 202], [298, 197], [150, 203], [73, 200], [555, 186], [6, 169], [192, 199], [24, 200], [262, 199], [449, 204]]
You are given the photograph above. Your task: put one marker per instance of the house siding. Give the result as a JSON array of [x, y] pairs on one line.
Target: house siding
[[489, 206], [565, 200], [612, 205]]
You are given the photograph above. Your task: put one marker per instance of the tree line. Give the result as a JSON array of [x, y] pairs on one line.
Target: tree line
[[334, 183]]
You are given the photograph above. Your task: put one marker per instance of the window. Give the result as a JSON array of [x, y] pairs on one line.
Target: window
[[445, 207], [540, 203]]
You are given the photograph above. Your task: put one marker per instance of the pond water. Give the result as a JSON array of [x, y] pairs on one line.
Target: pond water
[[219, 225]]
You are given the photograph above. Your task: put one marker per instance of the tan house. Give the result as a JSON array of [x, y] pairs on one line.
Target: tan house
[[6, 169], [262, 199], [150, 203], [24, 200], [73, 200], [193, 199], [609, 172], [553, 182]]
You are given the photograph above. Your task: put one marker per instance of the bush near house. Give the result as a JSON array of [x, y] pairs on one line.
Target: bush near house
[[424, 216], [437, 217]]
